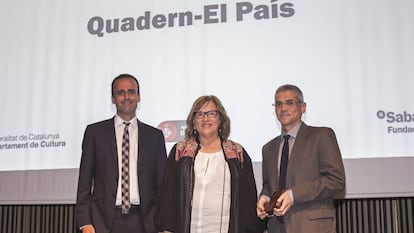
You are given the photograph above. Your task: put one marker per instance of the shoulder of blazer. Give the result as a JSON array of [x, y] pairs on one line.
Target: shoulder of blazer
[[108, 123], [272, 143], [143, 127], [306, 131]]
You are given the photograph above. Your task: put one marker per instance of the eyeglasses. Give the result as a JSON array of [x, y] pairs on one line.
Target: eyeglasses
[[209, 114], [288, 103]]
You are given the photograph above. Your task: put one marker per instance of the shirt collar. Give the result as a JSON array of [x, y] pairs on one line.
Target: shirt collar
[[294, 131], [119, 121]]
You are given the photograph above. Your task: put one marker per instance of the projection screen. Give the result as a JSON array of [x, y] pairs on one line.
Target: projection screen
[[352, 59]]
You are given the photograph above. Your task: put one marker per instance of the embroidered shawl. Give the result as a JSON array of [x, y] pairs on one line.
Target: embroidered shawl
[[188, 148]]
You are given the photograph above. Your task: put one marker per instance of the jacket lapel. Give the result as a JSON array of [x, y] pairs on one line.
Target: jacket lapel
[[112, 146], [141, 146], [297, 152]]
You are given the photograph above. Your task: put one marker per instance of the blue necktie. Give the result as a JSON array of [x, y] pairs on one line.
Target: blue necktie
[[284, 163], [283, 167]]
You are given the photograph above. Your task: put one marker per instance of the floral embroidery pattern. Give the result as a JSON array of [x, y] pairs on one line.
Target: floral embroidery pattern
[[188, 148]]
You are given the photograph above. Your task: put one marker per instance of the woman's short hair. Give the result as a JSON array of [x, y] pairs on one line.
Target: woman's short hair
[[224, 127]]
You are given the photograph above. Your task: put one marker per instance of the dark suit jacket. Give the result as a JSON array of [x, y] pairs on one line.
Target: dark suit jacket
[[98, 174], [315, 174]]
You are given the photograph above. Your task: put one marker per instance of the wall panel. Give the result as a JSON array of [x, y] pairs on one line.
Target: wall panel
[[390, 215]]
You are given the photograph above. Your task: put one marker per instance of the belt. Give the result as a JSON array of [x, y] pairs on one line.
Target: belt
[[132, 210]]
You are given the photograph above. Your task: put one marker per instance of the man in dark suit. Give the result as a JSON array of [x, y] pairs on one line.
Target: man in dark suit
[[108, 202], [305, 162]]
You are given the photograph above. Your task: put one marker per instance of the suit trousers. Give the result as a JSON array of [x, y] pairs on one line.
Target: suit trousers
[[275, 226], [128, 223]]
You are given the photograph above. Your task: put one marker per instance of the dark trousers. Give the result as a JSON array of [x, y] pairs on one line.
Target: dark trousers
[[276, 226], [128, 223]]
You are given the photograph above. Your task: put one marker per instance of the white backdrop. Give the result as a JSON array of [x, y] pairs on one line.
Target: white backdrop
[[353, 60]]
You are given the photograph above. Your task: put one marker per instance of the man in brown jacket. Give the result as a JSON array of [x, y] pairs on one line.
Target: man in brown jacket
[[313, 171]]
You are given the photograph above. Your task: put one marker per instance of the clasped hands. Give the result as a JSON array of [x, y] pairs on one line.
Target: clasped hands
[[280, 201]]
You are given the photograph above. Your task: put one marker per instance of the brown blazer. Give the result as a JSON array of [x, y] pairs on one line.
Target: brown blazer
[[98, 174], [315, 174]]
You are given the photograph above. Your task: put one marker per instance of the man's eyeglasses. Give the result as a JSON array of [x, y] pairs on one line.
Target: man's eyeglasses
[[288, 103], [209, 114]]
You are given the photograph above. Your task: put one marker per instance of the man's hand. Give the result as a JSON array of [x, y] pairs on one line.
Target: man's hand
[[88, 229], [284, 202], [260, 210]]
